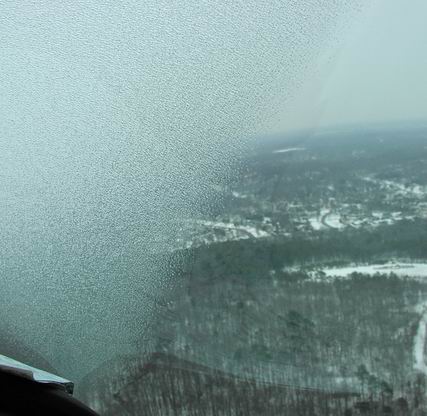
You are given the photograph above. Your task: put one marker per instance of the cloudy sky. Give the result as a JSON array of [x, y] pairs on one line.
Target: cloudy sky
[[376, 72]]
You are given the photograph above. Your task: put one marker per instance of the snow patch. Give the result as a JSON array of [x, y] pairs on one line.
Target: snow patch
[[333, 221], [289, 149], [401, 269], [249, 230], [316, 223]]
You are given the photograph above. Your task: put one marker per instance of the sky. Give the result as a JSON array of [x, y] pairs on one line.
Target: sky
[[375, 73]]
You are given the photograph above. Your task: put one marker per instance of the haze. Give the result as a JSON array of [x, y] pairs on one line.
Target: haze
[[377, 73]]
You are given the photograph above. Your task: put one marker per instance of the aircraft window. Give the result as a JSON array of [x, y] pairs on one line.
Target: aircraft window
[[217, 206]]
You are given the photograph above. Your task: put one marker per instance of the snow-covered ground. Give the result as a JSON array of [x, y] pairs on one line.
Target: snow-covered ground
[[289, 149], [208, 232], [413, 190], [251, 231], [315, 223], [333, 220], [418, 270], [239, 195], [338, 220]]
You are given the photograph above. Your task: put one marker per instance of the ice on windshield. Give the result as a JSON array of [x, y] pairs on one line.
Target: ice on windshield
[[216, 200]]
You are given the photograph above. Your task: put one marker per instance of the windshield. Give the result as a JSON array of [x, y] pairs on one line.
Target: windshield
[[216, 206]]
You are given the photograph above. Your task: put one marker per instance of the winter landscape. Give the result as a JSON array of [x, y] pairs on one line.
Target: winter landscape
[[306, 294]]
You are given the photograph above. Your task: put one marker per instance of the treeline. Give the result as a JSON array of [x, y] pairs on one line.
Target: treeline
[[255, 258], [310, 333], [166, 385], [348, 337]]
